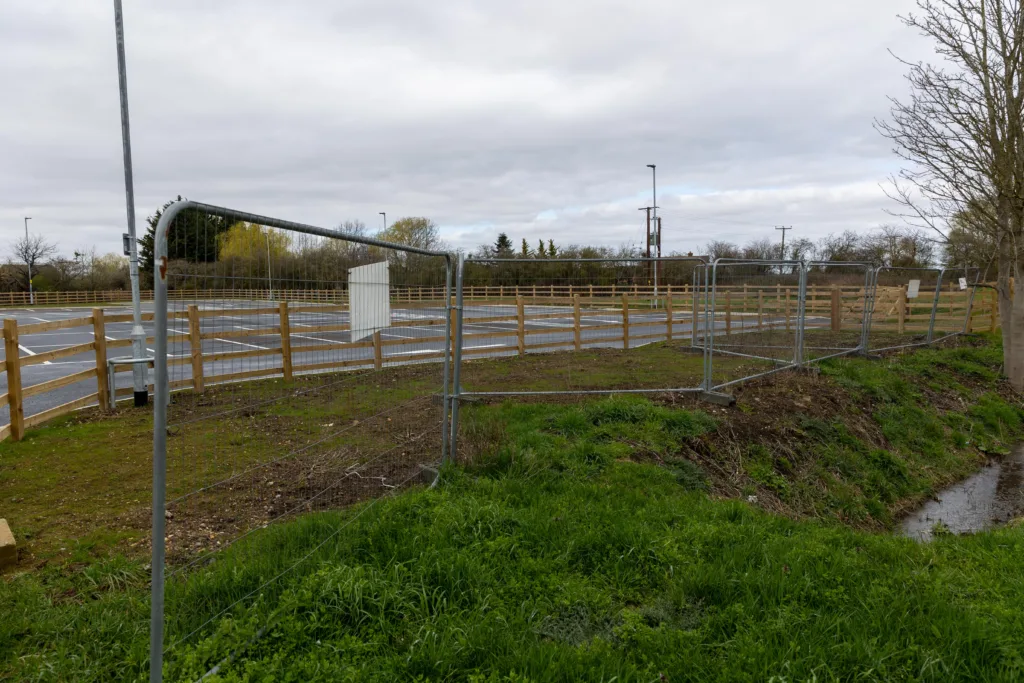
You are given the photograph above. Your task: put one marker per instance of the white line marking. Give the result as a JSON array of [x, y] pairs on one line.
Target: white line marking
[[253, 346], [27, 350], [306, 336], [42, 320]]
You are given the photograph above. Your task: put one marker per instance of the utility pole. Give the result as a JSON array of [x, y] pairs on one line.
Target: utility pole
[[782, 253], [31, 295], [138, 335]]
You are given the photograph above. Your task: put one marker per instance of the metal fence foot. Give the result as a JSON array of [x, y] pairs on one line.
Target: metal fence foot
[[718, 398]]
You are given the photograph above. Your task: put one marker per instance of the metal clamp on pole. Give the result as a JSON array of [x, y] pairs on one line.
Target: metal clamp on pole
[[111, 372]]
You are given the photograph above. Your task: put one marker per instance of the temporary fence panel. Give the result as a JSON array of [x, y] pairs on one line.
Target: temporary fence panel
[[265, 409], [588, 317], [837, 297], [956, 302], [753, 317], [905, 307]]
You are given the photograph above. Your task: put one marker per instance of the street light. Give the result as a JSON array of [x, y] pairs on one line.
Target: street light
[[138, 334], [31, 295], [385, 214], [654, 220], [270, 281]]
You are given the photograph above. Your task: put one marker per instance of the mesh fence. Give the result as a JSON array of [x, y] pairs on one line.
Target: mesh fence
[[837, 296], [598, 309], [904, 302], [754, 309], [350, 343]]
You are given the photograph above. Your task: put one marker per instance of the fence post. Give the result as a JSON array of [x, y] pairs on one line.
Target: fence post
[[576, 334], [378, 357], [901, 302], [286, 341], [694, 305], [728, 312], [787, 309], [13, 361], [625, 322], [837, 320], [668, 314], [195, 343], [99, 335], [993, 310], [520, 326]]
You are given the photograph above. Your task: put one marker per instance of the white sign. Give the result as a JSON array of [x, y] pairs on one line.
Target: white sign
[[913, 289], [963, 283], [369, 299]]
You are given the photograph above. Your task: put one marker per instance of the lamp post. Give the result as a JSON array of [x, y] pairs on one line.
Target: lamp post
[[385, 214], [31, 295], [270, 281], [654, 222], [138, 334]]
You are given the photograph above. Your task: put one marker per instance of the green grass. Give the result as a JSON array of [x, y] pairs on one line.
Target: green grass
[[581, 543]]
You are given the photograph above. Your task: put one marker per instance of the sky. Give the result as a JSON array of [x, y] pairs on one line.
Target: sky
[[536, 118]]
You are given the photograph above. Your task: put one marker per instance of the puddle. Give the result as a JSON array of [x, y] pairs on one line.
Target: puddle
[[993, 496]]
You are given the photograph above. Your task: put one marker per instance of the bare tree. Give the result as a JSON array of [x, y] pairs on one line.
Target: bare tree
[[32, 250], [962, 133]]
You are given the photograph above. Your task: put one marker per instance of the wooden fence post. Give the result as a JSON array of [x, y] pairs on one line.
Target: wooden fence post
[[378, 356], [576, 333], [286, 341], [99, 334], [787, 309], [625, 321], [728, 312], [901, 302], [12, 359], [993, 311], [520, 326], [195, 343], [837, 318], [668, 314]]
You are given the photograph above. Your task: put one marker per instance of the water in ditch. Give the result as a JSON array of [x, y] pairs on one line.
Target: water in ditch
[[993, 496]]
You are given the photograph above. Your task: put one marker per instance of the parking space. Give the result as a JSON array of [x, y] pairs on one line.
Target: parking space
[[229, 328]]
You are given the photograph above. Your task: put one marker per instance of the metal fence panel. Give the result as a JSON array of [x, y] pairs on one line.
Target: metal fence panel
[[753, 319], [837, 297], [267, 408], [904, 308]]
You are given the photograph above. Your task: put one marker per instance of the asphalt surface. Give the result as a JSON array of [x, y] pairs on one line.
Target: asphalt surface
[[419, 340]]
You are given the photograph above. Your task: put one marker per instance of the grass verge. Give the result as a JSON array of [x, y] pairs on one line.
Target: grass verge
[[604, 540]]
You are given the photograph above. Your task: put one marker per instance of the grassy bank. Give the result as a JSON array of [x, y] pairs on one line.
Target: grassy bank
[[608, 540]]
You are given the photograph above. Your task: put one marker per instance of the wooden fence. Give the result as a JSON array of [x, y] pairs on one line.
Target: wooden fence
[[774, 306]]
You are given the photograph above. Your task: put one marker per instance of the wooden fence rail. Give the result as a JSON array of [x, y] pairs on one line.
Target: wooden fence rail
[[840, 308]]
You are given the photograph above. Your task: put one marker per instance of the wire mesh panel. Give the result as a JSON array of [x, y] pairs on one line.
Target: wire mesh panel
[[753, 319], [956, 302], [593, 310], [307, 372], [837, 297], [905, 300]]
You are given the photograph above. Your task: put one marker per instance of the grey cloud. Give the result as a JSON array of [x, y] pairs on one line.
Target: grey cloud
[[483, 116]]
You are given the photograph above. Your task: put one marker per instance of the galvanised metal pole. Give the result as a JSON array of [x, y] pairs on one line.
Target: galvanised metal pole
[[710, 294], [445, 398], [138, 334], [870, 284], [31, 294], [456, 382], [801, 313], [935, 306]]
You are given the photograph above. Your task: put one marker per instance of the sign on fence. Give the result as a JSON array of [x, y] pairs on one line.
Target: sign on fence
[[369, 299], [963, 284], [913, 289]]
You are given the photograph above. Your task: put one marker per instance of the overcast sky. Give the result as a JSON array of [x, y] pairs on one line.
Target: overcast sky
[[535, 117]]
